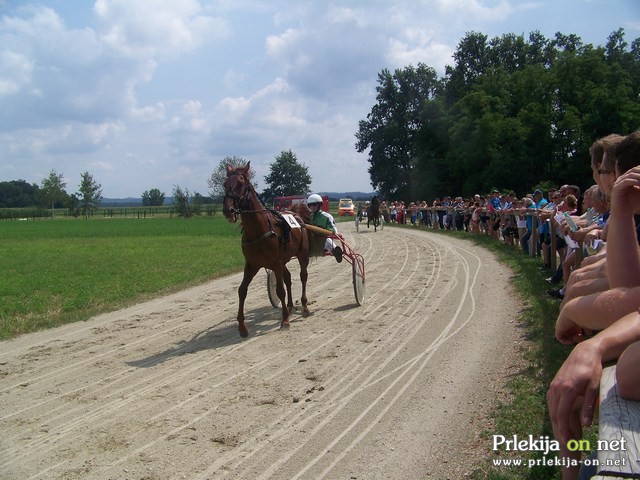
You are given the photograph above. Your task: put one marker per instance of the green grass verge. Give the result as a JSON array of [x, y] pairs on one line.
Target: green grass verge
[[55, 272]]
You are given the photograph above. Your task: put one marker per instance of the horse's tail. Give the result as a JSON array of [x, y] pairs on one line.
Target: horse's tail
[[302, 210]]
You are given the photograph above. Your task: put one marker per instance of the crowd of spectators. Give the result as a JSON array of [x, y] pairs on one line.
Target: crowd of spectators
[[596, 235]]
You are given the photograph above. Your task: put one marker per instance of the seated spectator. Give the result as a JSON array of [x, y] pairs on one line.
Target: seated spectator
[[619, 292], [573, 392], [569, 261], [592, 277], [568, 206], [603, 156]]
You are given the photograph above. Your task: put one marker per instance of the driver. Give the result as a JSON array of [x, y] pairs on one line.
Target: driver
[[325, 220]]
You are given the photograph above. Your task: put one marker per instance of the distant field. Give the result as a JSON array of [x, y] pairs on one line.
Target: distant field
[[54, 272]]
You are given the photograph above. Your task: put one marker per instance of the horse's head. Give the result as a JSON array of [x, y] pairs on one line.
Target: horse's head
[[237, 188]]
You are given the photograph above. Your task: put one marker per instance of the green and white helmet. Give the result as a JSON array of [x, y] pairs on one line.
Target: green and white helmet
[[314, 198]]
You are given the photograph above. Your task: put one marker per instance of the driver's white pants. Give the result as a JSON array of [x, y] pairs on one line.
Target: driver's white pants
[[329, 245]]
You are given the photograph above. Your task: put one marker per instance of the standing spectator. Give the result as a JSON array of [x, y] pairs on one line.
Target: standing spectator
[[530, 207], [413, 212], [522, 220], [384, 211], [495, 207], [475, 219], [484, 215], [437, 204], [458, 213]]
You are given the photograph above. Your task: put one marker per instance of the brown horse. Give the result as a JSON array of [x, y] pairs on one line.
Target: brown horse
[[266, 243]]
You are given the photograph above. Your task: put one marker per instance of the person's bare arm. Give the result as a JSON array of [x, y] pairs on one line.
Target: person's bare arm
[[580, 374], [623, 255]]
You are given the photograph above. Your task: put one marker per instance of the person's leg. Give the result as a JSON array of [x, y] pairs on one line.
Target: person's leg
[[545, 255], [524, 241], [567, 264], [331, 247]]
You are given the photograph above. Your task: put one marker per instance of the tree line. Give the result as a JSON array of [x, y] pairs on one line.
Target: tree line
[[510, 113], [287, 177], [52, 193]]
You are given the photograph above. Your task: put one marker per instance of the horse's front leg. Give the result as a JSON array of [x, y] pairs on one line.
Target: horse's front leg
[[279, 272], [249, 273], [287, 283], [304, 275]]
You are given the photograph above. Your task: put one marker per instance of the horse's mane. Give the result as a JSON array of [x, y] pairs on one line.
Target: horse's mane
[[302, 210]]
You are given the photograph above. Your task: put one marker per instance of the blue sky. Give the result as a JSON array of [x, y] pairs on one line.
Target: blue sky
[[154, 93]]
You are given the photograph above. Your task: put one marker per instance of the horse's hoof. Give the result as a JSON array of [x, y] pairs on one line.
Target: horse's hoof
[[244, 331], [306, 313], [284, 326]]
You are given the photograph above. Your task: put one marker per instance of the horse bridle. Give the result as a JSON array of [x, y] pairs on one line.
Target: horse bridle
[[239, 199]]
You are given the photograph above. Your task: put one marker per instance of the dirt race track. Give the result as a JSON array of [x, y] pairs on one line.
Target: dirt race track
[[396, 389]]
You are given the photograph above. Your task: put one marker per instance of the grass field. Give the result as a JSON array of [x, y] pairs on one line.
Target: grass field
[[54, 272]]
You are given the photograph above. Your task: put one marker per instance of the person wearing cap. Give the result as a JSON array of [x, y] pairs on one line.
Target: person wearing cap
[[325, 220], [495, 205], [524, 240]]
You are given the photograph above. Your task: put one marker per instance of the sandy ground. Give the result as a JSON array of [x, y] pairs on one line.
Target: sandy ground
[[399, 388]]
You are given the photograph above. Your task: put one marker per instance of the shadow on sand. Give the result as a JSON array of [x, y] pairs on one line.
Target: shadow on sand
[[260, 322]]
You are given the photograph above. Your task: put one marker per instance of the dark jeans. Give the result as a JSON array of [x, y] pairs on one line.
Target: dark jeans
[[524, 242]]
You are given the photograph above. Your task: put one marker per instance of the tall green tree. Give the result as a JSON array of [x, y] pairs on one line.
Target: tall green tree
[[510, 112], [219, 175], [18, 193], [389, 132], [185, 204], [152, 198], [53, 189], [90, 194], [287, 176]]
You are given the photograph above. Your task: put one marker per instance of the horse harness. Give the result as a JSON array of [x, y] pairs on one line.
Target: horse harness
[[284, 225]]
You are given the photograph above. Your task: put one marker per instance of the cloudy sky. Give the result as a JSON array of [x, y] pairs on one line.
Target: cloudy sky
[[149, 94]]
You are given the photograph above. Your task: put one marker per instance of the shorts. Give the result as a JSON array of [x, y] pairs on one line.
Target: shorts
[[508, 231], [545, 238], [560, 242]]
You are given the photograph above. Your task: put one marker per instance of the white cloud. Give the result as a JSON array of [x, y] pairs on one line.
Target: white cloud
[[477, 9], [102, 166], [156, 27], [434, 54], [15, 72]]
